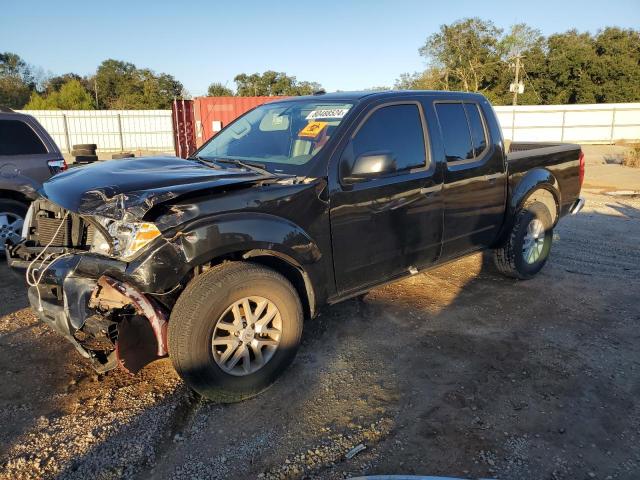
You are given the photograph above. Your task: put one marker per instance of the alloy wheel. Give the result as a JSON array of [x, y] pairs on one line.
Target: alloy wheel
[[533, 241], [246, 335], [10, 228]]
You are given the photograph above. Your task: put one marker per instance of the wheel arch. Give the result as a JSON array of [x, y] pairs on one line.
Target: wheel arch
[[540, 185], [281, 263], [260, 238], [6, 194], [292, 271]]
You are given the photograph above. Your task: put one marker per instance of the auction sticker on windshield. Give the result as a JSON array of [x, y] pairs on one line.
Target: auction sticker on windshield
[[327, 113], [313, 129]]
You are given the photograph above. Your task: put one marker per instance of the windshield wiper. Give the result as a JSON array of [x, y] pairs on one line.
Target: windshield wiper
[[205, 161], [258, 167]]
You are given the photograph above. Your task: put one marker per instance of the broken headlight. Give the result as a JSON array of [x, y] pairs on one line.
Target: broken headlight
[[127, 238]]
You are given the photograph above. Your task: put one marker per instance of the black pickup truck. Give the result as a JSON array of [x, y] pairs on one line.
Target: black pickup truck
[[216, 260]]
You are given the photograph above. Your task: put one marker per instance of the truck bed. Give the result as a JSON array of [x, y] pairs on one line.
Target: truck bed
[[561, 159]]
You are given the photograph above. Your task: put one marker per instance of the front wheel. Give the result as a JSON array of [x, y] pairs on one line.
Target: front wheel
[[234, 330], [528, 247], [12, 215]]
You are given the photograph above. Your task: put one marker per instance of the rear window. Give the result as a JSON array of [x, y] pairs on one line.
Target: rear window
[[17, 138], [462, 129], [478, 135]]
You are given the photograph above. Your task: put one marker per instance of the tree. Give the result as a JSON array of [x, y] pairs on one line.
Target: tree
[[16, 81], [570, 61], [528, 44], [430, 79], [217, 89], [121, 85], [272, 83], [520, 39], [616, 72], [466, 52], [72, 95], [55, 83]]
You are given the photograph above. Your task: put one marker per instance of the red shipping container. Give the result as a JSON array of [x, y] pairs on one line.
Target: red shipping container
[[211, 114]]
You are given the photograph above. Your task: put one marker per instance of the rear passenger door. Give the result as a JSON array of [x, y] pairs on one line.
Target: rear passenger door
[[24, 155], [474, 178], [383, 226]]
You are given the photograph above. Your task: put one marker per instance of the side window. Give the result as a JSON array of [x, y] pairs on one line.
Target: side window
[[17, 138], [455, 131], [396, 129], [478, 134]]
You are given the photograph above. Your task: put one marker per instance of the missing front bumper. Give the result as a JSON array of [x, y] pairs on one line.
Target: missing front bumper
[[139, 326]]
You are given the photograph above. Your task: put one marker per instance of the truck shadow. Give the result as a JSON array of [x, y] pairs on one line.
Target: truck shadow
[[459, 369]]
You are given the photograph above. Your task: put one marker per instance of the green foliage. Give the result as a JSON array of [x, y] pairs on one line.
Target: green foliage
[[430, 79], [272, 83], [467, 54], [219, 90], [71, 95], [16, 81], [617, 69], [54, 84], [121, 85], [571, 67]]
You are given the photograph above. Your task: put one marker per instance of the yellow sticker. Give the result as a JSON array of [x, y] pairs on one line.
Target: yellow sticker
[[313, 129]]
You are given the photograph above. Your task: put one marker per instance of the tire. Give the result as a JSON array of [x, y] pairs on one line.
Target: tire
[[86, 158], [116, 156], [197, 318], [85, 146], [511, 258], [82, 152], [13, 211]]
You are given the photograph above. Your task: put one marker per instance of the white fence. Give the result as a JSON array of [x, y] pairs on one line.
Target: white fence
[[111, 130], [152, 130], [599, 123]]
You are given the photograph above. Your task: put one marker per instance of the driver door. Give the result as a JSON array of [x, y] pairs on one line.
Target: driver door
[[387, 223]]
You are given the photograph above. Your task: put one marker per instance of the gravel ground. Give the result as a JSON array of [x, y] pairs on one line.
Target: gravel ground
[[454, 372]]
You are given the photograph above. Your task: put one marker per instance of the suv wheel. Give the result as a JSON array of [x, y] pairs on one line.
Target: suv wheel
[[12, 215], [234, 329], [529, 245]]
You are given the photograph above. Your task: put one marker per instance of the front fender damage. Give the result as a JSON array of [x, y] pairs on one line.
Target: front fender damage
[[141, 325]]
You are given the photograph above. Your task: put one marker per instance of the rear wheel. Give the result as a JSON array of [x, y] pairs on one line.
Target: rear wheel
[[234, 330], [529, 244]]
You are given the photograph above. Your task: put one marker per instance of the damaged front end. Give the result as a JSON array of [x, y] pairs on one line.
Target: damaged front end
[[104, 306], [102, 255], [132, 324]]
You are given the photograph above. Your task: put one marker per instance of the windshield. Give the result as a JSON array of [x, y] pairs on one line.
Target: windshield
[[283, 136]]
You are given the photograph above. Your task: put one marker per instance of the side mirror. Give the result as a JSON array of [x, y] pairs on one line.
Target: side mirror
[[371, 164]]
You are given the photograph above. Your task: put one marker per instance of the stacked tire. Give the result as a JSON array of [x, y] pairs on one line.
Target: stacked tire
[[85, 153]]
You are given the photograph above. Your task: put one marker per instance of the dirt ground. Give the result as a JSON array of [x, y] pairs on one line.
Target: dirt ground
[[455, 372]]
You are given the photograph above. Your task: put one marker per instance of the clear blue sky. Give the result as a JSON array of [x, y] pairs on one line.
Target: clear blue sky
[[346, 45]]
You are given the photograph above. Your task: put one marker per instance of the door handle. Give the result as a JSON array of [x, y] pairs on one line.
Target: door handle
[[491, 179], [428, 190]]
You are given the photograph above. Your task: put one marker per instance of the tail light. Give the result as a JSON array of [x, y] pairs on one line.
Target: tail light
[[581, 168], [57, 166]]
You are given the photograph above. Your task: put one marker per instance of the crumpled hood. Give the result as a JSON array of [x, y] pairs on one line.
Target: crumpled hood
[[130, 187]]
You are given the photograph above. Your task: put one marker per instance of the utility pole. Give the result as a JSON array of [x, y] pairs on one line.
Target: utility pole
[[516, 83], [95, 88]]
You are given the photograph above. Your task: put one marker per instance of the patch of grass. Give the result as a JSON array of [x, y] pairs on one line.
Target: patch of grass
[[632, 156]]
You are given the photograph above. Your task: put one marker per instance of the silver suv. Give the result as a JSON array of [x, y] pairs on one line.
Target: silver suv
[[28, 157]]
